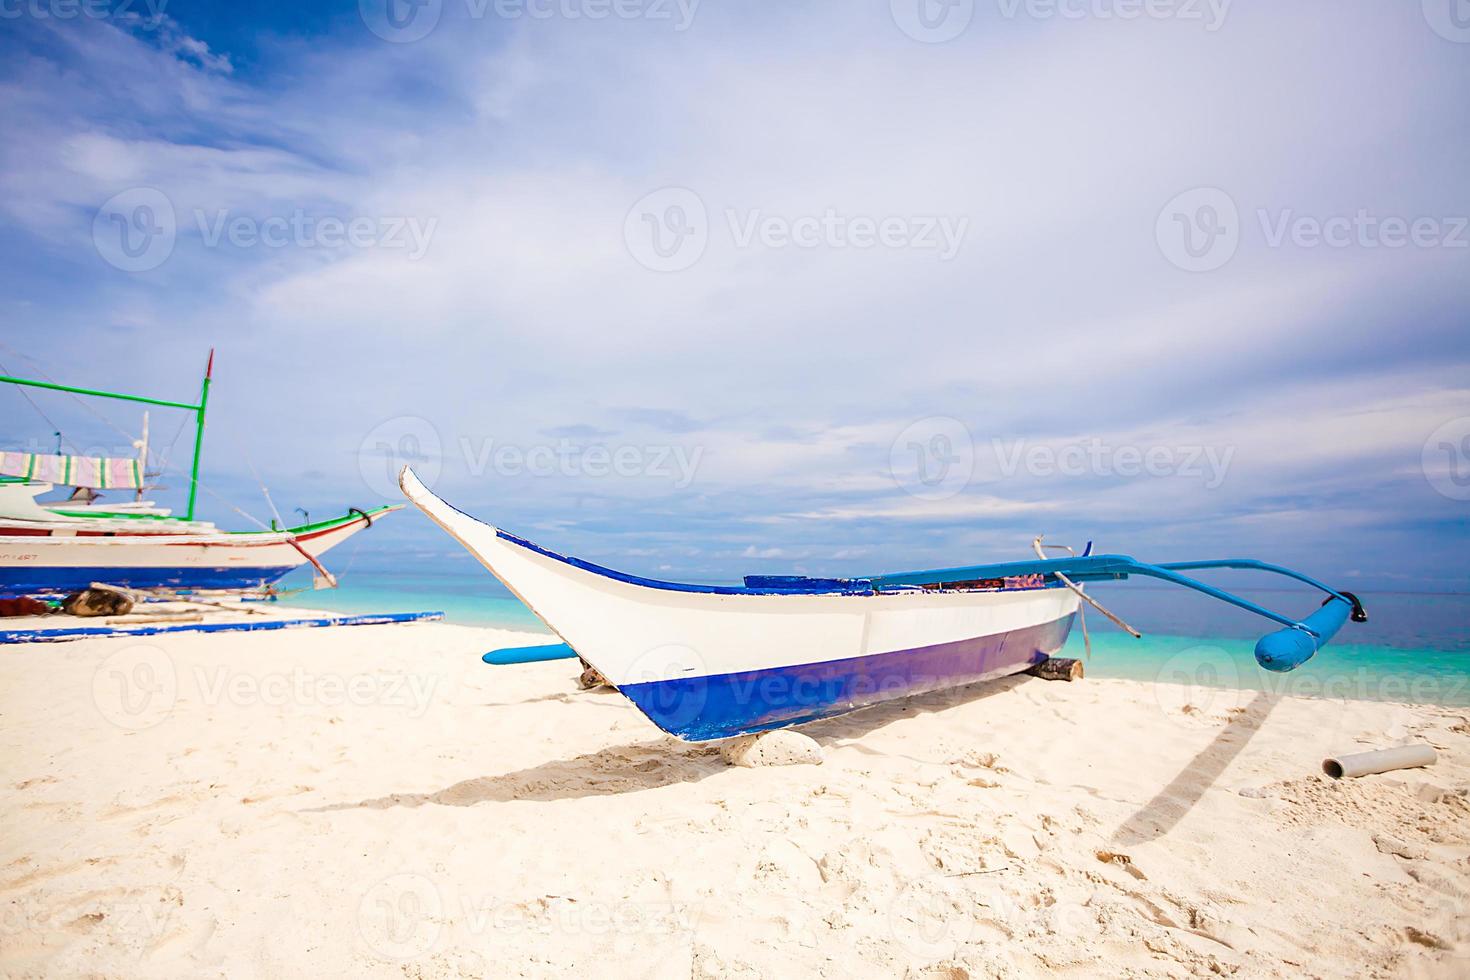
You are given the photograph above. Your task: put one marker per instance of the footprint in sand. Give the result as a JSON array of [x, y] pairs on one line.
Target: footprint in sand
[[276, 795], [1123, 861], [37, 781], [163, 803]]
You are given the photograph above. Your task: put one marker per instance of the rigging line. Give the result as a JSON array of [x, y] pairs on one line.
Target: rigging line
[[265, 490], [351, 557], [54, 427], [162, 460], [19, 353], [167, 455], [105, 420], [290, 538], [239, 510], [78, 398]]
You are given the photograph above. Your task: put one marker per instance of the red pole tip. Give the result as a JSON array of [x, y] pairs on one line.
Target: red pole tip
[[209, 368]]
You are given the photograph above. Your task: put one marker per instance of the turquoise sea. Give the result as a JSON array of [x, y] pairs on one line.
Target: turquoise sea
[[1415, 647]]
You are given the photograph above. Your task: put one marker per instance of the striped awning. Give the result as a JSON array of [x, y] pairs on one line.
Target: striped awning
[[96, 472]]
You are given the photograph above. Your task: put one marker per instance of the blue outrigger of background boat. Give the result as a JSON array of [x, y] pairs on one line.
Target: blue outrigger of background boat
[[67, 633], [1280, 651]]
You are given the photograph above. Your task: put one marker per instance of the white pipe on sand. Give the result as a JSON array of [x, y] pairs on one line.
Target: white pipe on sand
[[1381, 760]]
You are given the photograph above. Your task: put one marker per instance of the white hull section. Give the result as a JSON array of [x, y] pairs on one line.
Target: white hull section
[[633, 633], [60, 550], [59, 557]]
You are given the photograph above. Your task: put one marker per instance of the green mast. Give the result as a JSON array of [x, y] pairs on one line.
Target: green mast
[[199, 435]]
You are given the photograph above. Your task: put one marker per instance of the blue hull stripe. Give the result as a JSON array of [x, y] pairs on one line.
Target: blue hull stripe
[[241, 626], [20, 580], [701, 708]]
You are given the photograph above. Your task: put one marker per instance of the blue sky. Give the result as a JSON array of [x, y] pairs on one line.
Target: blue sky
[[704, 288]]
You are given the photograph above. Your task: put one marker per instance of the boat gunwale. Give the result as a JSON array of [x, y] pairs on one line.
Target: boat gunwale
[[858, 587], [207, 533]]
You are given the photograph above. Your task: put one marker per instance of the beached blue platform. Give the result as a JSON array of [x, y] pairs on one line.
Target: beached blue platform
[[64, 634]]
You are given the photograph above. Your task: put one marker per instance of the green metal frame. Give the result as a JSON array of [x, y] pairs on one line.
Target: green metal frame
[[198, 411], [293, 531]]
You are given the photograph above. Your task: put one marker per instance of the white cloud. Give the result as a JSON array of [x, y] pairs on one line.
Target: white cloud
[[915, 509], [1059, 320]]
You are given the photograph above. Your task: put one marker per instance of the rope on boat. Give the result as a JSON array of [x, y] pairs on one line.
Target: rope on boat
[[290, 538], [161, 460], [75, 397], [44, 417], [1082, 616]]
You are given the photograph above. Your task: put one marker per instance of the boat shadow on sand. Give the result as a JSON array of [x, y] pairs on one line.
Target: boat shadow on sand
[[663, 762], [1172, 803]]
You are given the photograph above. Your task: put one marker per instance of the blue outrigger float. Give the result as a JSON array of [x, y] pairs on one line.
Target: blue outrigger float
[[1279, 651], [712, 661]]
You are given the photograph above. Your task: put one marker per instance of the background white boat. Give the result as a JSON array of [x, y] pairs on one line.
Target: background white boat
[[54, 553], [65, 546]]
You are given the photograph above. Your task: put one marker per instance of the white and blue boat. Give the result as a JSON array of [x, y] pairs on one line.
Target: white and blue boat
[[708, 661], [62, 546]]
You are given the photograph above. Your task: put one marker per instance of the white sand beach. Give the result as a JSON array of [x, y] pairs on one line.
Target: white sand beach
[[374, 801]]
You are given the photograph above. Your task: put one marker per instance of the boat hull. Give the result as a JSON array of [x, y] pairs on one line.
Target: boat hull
[[707, 662], [41, 581], [66, 561], [698, 709]]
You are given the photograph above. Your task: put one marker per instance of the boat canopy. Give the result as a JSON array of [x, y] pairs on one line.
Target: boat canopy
[[94, 472]]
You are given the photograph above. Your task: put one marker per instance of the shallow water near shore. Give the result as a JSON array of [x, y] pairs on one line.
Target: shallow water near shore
[[1356, 671], [1414, 648]]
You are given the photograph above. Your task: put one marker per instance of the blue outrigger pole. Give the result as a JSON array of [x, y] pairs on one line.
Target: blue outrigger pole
[[1280, 651]]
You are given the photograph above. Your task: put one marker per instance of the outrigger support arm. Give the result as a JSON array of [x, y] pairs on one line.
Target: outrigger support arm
[[1258, 566], [1286, 649]]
